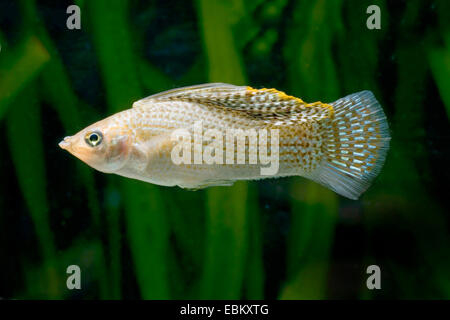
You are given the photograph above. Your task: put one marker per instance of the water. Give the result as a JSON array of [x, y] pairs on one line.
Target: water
[[285, 238]]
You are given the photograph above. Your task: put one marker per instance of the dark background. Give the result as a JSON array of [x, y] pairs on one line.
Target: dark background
[[283, 238]]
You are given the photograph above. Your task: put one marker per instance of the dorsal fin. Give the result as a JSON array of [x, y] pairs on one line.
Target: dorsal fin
[[196, 92], [260, 103]]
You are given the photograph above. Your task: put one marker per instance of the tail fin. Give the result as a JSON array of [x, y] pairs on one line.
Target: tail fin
[[355, 146]]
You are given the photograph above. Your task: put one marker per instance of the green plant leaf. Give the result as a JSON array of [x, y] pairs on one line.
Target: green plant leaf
[[27, 152], [18, 68]]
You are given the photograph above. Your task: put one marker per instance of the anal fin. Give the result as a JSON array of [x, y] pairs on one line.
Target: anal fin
[[208, 183]]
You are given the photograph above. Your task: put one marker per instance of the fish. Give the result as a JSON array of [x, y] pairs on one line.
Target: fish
[[181, 137]]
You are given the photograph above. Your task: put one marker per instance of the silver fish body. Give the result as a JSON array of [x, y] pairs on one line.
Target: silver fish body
[[341, 145]]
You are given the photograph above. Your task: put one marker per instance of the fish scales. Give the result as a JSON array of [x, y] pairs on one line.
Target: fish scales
[[341, 145]]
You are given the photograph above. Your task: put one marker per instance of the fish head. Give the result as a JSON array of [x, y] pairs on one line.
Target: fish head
[[105, 145]]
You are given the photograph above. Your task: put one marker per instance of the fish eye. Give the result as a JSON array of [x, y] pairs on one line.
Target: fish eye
[[94, 138]]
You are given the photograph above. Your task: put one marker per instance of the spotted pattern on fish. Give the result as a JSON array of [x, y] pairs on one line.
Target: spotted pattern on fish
[[341, 145]]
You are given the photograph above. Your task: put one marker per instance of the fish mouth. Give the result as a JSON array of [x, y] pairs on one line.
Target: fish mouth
[[65, 144]]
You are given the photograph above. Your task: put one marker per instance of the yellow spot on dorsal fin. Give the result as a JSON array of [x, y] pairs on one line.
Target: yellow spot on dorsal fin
[[285, 97], [281, 95]]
